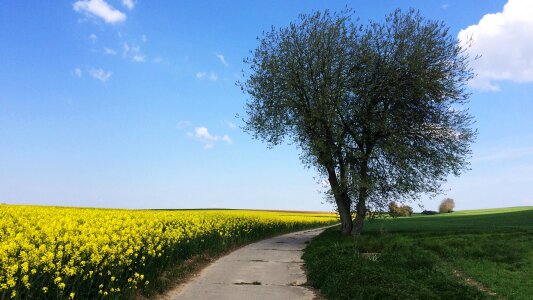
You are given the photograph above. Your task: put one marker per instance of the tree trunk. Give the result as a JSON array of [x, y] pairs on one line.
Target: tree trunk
[[359, 217], [344, 212], [343, 201], [360, 209]]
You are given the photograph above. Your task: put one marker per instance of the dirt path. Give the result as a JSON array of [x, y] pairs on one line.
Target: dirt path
[[268, 269]]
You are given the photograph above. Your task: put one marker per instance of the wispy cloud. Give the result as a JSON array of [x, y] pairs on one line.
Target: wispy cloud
[[132, 52], [222, 59], [77, 72], [203, 75], [232, 125], [100, 74], [110, 51], [138, 58], [93, 38], [101, 9], [130, 4], [202, 134], [445, 6], [144, 38], [227, 139], [125, 49]]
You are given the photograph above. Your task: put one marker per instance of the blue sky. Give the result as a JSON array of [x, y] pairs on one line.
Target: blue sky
[[132, 104]]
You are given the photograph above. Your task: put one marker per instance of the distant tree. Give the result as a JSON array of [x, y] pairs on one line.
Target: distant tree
[[446, 206], [376, 109], [400, 211], [429, 212], [393, 208]]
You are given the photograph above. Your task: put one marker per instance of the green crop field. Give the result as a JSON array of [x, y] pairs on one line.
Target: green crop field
[[476, 254]]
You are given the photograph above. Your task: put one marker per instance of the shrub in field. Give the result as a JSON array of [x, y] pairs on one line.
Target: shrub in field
[[429, 212], [407, 210], [399, 211], [446, 206]]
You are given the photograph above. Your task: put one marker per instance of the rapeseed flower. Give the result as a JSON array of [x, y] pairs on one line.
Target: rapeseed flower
[[60, 251]]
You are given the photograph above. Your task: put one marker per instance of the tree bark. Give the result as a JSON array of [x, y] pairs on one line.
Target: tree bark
[[360, 209], [359, 217], [344, 212], [343, 201]]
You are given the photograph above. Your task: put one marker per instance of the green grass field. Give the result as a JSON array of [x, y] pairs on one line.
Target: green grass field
[[477, 254]]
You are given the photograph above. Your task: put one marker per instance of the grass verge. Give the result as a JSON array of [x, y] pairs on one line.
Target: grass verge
[[465, 255], [183, 269]]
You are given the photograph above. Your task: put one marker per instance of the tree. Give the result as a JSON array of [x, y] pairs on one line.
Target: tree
[[400, 211], [446, 205], [376, 109]]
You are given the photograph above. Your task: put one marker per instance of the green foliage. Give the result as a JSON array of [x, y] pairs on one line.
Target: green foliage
[[376, 107], [400, 211], [417, 257], [446, 206]]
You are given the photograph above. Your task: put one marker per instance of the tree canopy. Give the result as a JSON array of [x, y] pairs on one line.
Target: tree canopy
[[376, 108]]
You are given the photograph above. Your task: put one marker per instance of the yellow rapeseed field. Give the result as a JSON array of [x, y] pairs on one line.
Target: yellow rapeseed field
[[56, 252]]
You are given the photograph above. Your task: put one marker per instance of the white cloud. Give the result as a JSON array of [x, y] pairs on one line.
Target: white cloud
[[100, 74], [132, 52], [232, 125], [213, 76], [144, 38], [505, 42], [77, 72], [101, 9], [128, 3], [203, 75], [222, 59], [227, 139], [202, 134], [157, 60], [445, 6], [110, 51], [93, 37], [138, 58]]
